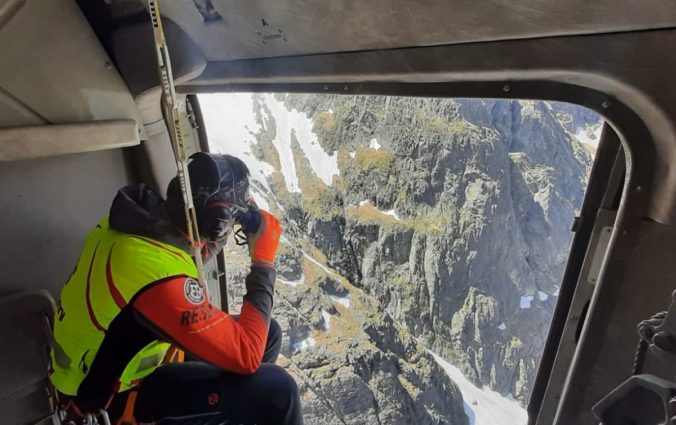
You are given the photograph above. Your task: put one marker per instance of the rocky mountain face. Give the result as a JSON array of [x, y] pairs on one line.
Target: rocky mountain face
[[410, 225]]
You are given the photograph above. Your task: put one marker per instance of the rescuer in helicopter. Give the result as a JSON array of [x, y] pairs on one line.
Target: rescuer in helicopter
[[135, 291]]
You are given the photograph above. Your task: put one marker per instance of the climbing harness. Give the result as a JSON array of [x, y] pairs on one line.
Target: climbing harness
[[69, 414], [127, 418]]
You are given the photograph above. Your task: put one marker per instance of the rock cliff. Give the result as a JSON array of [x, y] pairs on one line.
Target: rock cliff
[[410, 225]]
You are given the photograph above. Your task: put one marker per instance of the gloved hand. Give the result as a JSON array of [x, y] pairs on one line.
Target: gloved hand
[[263, 243], [250, 220]]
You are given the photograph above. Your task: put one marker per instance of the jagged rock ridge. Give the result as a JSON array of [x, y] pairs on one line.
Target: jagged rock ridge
[[449, 221]]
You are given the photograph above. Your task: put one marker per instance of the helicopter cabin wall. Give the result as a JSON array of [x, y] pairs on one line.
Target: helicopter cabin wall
[[58, 88], [47, 207]]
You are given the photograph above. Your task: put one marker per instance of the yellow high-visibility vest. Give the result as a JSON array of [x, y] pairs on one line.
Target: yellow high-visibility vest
[[113, 267]]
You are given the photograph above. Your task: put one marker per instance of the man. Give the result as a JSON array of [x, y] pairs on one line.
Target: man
[[135, 289]]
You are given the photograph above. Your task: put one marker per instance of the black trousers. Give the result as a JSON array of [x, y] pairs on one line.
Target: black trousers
[[195, 392]]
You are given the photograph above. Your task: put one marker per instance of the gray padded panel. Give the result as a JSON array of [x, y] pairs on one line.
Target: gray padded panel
[[58, 139], [53, 68], [134, 51], [24, 357], [47, 207], [161, 161]]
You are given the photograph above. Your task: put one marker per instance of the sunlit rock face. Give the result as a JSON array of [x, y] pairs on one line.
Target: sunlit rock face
[[411, 225]]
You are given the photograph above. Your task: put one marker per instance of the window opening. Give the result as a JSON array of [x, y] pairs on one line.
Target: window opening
[[425, 240]]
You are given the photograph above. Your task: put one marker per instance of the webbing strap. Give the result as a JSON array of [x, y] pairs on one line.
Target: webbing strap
[[174, 355], [127, 417], [172, 118]]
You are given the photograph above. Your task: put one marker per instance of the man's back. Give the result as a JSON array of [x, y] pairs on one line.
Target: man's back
[[113, 268], [135, 291]]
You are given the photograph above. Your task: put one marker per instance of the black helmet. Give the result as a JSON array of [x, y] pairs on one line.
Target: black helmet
[[220, 191]]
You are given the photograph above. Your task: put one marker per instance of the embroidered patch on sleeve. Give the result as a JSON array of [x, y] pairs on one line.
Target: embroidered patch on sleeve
[[194, 292]]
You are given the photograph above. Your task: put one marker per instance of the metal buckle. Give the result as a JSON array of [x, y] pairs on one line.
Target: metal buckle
[[93, 419], [62, 417]]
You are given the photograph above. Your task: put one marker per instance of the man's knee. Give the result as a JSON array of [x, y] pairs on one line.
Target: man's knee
[[283, 388], [274, 343], [287, 384], [275, 331]]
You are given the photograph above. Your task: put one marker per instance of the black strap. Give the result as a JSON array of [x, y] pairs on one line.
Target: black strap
[[240, 237]]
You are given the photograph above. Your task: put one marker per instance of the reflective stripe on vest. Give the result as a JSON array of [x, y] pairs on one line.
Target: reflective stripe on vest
[[113, 267]]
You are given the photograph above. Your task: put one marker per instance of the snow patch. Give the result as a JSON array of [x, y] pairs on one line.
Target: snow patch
[[374, 144], [525, 302], [344, 301], [327, 320], [330, 111], [289, 122], [487, 406], [293, 283], [556, 293], [304, 344], [392, 213], [502, 326], [542, 296], [352, 154], [260, 201], [318, 264], [589, 135]]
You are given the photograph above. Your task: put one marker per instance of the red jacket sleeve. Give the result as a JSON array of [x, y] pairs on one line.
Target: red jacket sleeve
[[180, 311]]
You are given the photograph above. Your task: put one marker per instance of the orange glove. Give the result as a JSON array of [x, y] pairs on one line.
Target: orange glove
[[263, 244]]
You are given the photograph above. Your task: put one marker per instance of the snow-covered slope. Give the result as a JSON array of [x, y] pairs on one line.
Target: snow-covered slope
[[231, 128], [292, 122], [484, 406]]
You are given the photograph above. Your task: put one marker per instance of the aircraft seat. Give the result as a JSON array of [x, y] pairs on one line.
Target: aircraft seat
[[25, 318]]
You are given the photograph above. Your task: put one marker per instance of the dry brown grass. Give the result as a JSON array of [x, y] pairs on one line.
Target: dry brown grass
[[371, 215], [325, 120], [369, 159], [344, 159], [313, 251], [430, 223]]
